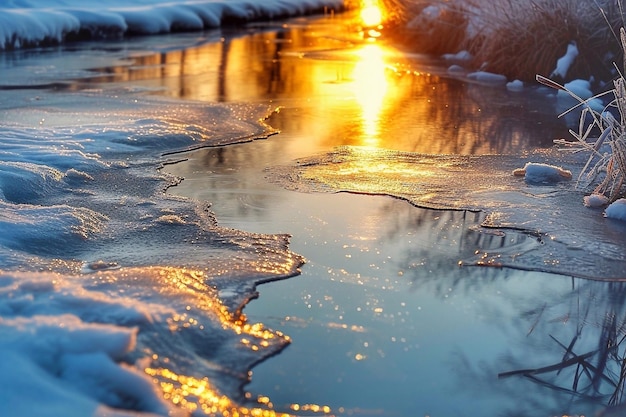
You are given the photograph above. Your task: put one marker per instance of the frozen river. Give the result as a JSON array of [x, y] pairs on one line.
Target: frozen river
[[148, 186]]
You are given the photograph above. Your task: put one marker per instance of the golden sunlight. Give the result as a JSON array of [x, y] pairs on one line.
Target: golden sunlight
[[199, 397], [370, 88]]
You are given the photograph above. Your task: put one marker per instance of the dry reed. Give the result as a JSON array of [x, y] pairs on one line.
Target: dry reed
[[519, 38], [602, 136]]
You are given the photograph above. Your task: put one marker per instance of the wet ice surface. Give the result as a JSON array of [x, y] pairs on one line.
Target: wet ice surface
[[136, 293], [383, 320], [563, 236]]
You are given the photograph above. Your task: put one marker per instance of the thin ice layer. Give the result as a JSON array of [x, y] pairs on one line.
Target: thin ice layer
[[570, 238]]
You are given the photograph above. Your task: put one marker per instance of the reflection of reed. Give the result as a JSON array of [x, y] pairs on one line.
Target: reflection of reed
[[439, 240], [589, 353], [596, 373]]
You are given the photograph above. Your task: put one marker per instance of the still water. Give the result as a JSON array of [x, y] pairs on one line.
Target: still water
[[383, 320]]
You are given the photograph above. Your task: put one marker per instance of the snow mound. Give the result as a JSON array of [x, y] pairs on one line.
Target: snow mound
[[595, 200], [564, 63], [616, 210], [515, 86]]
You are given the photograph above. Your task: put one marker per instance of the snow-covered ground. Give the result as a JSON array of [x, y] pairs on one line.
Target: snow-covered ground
[[32, 22], [143, 284]]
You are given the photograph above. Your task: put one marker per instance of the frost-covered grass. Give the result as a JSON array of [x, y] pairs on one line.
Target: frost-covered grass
[[602, 134], [519, 38], [554, 41]]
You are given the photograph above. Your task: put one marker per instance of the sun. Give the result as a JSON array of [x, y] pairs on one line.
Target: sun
[[371, 13]]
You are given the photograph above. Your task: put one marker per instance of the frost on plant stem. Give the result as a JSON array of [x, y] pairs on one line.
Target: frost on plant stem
[[601, 135]]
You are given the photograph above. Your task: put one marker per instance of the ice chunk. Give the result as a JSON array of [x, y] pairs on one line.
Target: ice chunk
[[538, 173], [487, 77]]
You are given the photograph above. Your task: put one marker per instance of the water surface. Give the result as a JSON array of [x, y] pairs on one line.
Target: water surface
[[383, 320]]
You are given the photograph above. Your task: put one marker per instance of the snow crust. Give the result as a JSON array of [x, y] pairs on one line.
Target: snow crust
[[32, 22]]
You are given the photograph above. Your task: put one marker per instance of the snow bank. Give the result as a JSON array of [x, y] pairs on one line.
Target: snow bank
[[33, 22], [80, 192], [67, 344]]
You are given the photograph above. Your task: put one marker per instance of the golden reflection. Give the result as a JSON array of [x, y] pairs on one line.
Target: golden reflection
[[201, 309], [198, 396], [370, 89], [408, 110]]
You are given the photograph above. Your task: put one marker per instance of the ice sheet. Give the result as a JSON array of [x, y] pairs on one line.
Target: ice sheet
[[563, 236]]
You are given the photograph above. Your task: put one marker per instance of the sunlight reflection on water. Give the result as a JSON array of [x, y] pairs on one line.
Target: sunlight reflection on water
[[383, 320]]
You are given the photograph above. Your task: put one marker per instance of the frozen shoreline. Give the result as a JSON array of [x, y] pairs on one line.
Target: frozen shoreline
[[27, 23]]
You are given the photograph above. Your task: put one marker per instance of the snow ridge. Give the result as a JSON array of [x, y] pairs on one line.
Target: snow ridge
[[25, 23]]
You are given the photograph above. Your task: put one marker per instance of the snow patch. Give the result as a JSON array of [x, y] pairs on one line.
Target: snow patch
[[564, 63], [515, 86], [459, 56], [595, 200], [581, 89]]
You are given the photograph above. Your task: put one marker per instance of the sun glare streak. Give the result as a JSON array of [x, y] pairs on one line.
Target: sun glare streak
[[370, 89]]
